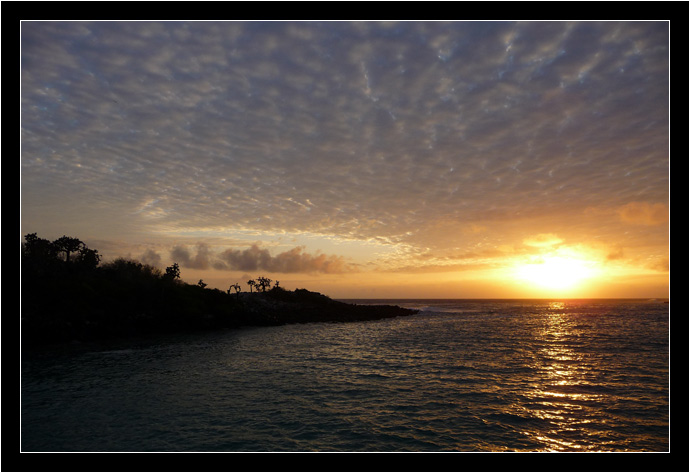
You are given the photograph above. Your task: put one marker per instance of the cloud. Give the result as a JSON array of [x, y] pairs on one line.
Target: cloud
[[152, 258], [291, 261], [356, 130], [254, 258], [615, 254], [643, 213], [250, 259], [182, 255], [542, 240], [661, 264]]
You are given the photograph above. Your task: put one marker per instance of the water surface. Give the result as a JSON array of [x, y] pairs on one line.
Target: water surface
[[470, 376]]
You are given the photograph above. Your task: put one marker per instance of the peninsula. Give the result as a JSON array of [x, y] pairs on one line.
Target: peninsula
[[67, 295]]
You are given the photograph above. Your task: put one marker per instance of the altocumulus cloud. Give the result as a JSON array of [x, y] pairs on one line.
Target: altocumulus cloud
[[295, 260], [356, 130]]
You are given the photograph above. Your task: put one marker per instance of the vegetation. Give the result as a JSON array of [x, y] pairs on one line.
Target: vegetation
[[67, 295], [237, 289]]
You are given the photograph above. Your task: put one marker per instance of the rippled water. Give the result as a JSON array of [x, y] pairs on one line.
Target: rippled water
[[459, 376]]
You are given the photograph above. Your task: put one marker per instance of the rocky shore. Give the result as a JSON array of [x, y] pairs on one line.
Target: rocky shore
[[277, 307], [67, 295], [188, 309]]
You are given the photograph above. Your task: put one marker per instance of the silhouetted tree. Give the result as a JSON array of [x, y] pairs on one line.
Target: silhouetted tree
[[68, 245], [38, 248], [37, 253], [172, 272], [87, 258], [201, 284], [264, 283], [237, 289], [132, 270], [40, 255], [251, 283]]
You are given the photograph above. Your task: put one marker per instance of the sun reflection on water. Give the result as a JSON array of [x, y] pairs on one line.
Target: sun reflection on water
[[556, 305], [558, 396]]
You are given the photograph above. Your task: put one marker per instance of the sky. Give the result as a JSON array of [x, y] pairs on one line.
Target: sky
[[358, 159]]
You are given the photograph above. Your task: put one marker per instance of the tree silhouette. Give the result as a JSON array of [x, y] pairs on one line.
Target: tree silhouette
[[201, 284], [172, 272], [251, 283], [39, 254], [129, 270], [87, 258], [264, 283], [38, 250], [68, 245], [237, 289]]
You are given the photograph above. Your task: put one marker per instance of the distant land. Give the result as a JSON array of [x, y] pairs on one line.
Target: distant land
[[67, 295]]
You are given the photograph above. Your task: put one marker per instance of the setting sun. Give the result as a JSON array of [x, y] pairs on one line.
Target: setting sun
[[345, 236], [438, 173], [556, 272]]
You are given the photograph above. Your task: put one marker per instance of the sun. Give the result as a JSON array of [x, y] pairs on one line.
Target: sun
[[555, 272]]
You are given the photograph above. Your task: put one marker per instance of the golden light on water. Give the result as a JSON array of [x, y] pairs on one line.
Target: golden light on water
[[563, 369]]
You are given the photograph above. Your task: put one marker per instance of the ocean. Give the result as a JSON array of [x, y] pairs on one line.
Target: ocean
[[459, 376]]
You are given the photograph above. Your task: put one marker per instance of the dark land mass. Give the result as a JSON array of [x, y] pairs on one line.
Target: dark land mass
[[68, 296]]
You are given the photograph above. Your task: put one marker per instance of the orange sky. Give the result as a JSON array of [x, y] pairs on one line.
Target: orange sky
[[357, 159]]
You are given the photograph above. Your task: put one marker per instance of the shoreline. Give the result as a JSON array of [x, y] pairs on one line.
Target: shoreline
[[275, 307]]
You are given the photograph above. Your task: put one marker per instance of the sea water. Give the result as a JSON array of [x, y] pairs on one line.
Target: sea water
[[460, 376]]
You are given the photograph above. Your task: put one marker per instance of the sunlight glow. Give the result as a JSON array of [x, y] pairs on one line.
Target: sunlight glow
[[555, 272]]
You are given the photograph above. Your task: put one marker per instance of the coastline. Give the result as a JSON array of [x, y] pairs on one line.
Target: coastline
[[210, 309]]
